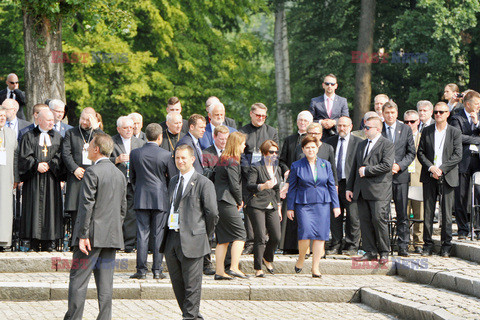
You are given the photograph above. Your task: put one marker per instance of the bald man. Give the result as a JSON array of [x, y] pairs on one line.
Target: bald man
[[12, 92], [40, 169], [75, 158]]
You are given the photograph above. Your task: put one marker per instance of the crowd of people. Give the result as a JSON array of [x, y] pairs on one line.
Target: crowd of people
[[198, 183]]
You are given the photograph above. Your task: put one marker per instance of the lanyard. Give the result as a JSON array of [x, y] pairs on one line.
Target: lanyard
[[83, 138]]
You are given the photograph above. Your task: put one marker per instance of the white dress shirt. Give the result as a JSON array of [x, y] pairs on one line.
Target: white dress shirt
[[127, 143], [344, 155], [438, 146]]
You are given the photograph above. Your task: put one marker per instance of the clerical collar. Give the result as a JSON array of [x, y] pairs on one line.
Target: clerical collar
[[43, 131], [100, 159], [172, 134]]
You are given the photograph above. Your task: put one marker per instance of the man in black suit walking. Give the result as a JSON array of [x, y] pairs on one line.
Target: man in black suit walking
[[439, 152], [404, 147], [345, 145], [191, 222], [196, 125], [466, 121], [151, 167], [13, 92], [370, 184], [98, 231], [123, 143]]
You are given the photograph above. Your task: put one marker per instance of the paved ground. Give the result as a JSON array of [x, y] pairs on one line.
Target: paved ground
[[219, 309]]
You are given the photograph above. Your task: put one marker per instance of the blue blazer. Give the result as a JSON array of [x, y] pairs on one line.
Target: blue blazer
[[207, 139], [304, 190]]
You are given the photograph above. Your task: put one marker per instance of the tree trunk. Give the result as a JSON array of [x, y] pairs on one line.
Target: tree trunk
[[44, 75], [474, 69], [282, 73], [363, 72]]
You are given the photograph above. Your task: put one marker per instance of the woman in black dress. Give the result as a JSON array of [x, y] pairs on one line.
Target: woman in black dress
[[264, 207], [230, 227]]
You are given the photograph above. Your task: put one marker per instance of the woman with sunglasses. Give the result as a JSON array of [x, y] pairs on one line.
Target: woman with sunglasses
[[230, 228], [264, 207], [311, 194]]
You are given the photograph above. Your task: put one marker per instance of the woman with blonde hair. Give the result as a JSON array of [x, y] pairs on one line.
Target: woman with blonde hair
[[230, 227]]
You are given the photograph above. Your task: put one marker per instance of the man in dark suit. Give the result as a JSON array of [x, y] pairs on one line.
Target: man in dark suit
[[123, 143], [229, 122], [137, 126], [345, 145], [425, 113], [196, 125], [327, 108], [439, 152], [217, 118], [174, 105], [191, 223], [404, 147], [13, 122], [12, 92], [370, 184], [214, 152], [58, 109], [466, 120], [98, 232], [151, 167]]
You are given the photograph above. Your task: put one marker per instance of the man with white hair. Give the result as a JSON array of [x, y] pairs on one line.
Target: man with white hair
[[425, 113], [229, 122], [40, 168], [13, 122], [137, 126], [13, 92], [58, 109], [174, 105], [123, 143], [173, 133], [216, 114]]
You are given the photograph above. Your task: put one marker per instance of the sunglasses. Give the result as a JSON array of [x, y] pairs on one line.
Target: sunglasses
[[367, 128], [13, 82], [273, 151], [260, 116], [409, 121], [329, 84], [439, 111]]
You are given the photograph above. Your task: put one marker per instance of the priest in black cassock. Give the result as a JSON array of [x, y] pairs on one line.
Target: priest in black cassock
[[173, 133], [40, 168]]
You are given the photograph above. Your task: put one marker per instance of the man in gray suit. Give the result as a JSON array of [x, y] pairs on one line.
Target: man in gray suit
[[98, 231], [58, 108], [370, 184], [192, 217]]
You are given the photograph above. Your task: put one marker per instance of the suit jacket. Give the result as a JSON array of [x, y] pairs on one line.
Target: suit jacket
[[210, 159], [64, 127], [261, 199], [451, 156], [187, 139], [429, 122], [25, 130], [287, 155], [198, 215], [353, 143], [21, 128], [207, 139], [469, 136], [303, 189], [102, 206], [377, 182], [119, 148], [151, 167], [404, 150], [326, 152], [458, 108], [142, 136], [228, 182], [19, 96], [319, 111], [229, 122]]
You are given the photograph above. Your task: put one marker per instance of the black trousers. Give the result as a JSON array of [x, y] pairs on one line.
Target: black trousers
[[263, 222], [373, 225], [150, 221], [349, 210], [400, 198], [100, 261], [430, 192], [130, 222], [186, 276], [463, 196]]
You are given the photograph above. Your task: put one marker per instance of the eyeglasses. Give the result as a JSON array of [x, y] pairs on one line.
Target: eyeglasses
[[329, 84], [273, 151], [313, 133], [439, 111], [260, 116], [11, 82], [409, 121]]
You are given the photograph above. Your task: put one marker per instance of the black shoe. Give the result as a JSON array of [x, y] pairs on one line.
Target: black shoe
[[383, 258], [208, 271], [129, 250], [138, 275], [403, 253], [307, 256], [368, 257], [260, 275], [298, 270], [427, 252], [418, 250], [247, 250], [159, 275], [237, 275], [462, 237], [445, 254], [219, 277], [316, 275], [271, 271]]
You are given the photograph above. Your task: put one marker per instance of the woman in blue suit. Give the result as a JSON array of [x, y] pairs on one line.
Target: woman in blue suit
[[311, 195]]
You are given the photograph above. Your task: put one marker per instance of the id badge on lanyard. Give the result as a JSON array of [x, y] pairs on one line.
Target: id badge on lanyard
[[256, 157], [85, 160]]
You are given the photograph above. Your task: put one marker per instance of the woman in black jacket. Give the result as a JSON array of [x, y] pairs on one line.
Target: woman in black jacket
[[264, 207], [230, 227]]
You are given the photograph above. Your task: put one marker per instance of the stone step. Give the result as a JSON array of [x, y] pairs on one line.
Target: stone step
[[33, 262], [464, 249], [416, 301], [298, 287]]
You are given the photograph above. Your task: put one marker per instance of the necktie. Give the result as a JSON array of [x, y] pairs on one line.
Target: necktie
[[389, 133], [472, 125], [340, 160], [178, 196], [200, 156], [329, 107], [366, 149], [11, 95], [9, 124]]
